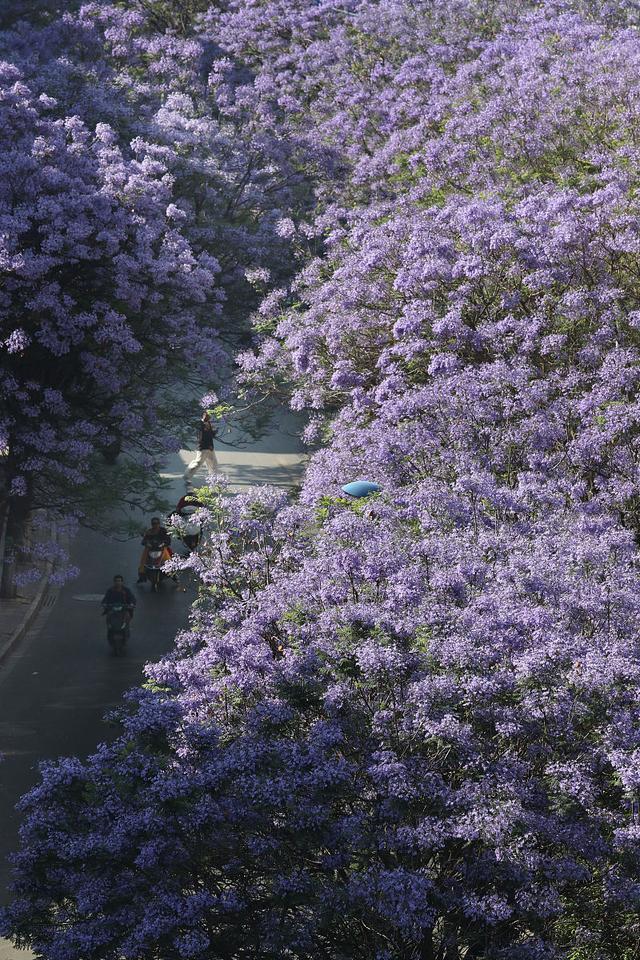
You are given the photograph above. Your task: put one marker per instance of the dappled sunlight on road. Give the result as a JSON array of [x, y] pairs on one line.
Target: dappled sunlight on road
[[246, 468]]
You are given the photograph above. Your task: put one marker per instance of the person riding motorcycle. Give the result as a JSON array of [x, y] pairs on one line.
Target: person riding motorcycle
[[155, 537], [185, 507], [186, 501], [118, 593]]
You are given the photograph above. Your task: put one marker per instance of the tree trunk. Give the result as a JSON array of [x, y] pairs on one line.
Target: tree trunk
[[4, 519], [426, 946], [450, 942], [15, 528]]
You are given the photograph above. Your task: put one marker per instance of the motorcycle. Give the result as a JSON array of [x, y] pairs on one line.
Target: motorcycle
[[118, 619], [153, 567]]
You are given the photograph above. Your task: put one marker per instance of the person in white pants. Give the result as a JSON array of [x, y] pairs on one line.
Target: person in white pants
[[205, 455]]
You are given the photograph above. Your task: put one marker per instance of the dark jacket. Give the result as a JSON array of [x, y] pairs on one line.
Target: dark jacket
[[159, 539], [119, 596], [206, 433]]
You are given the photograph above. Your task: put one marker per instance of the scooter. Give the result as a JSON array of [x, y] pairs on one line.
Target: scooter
[[118, 619], [153, 567]]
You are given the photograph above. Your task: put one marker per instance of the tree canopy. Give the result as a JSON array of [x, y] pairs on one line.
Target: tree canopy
[[406, 726]]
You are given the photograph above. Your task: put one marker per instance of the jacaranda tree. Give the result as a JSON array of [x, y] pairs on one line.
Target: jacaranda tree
[[96, 302], [405, 726]]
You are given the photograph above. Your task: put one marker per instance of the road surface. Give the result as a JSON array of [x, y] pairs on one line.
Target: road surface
[[56, 688]]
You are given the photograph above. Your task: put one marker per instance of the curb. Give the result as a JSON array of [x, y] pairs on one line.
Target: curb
[[32, 612]]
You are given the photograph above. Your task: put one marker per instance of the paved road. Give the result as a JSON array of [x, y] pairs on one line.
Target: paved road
[[56, 687]]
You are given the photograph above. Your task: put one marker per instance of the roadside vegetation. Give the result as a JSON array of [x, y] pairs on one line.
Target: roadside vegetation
[[403, 727]]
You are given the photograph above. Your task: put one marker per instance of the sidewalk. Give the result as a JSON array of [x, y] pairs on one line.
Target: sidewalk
[[9, 952], [17, 616]]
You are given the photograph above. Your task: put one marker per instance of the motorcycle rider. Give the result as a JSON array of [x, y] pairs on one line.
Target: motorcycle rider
[[155, 537], [186, 506], [187, 500], [118, 593]]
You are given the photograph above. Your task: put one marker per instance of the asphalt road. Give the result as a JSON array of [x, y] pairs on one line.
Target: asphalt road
[[56, 688]]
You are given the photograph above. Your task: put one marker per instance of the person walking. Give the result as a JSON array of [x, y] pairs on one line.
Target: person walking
[[206, 454]]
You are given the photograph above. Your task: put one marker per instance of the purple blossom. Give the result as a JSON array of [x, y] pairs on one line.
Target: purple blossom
[[17, 341], [404, 726]]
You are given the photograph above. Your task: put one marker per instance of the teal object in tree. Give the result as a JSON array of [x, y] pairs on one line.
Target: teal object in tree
[[361, 488]]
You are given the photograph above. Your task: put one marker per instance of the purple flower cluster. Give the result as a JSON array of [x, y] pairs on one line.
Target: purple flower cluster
[[407, 725]]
